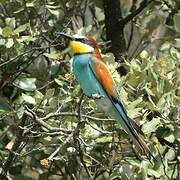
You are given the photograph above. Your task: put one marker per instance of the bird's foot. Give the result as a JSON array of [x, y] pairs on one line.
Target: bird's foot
[[97, 96]]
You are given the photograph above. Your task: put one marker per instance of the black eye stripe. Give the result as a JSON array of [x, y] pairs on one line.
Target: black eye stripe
[[83, 40]]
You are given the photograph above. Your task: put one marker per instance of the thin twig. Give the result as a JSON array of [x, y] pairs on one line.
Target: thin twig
[[53, 115], [130, 17], [26, 52], [68, 139], [15, 147], [164, 167], [33, 116]]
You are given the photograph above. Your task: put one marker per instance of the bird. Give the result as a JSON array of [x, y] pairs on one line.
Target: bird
[[96, 81]]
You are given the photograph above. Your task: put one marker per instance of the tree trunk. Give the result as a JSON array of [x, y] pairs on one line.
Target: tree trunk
[[114, 31]]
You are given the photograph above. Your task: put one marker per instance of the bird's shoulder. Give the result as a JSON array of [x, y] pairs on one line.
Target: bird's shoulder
[[104, 76]]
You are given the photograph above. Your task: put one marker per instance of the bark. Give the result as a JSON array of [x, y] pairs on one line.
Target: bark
[[114, 30], [115, 23]]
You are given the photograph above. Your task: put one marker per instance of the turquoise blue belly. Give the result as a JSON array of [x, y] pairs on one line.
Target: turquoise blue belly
[[85, 76], [90, 85]]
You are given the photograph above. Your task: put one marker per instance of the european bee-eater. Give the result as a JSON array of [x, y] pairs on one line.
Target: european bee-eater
[[90, 70]]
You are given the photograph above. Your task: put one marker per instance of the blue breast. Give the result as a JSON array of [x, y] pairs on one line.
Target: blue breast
[[90, 85], [84, 74]]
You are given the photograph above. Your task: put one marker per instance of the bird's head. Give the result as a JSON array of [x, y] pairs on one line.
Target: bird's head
[[83, 45], [80, 44]]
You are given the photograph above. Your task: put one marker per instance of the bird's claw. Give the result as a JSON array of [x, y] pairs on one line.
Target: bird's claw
[[97, 96]]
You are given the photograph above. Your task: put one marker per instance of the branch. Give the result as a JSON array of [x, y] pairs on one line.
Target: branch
[[53, 115], [68, 139], [40, 121], [98, 129], [142, 6], [164, 166], [16, 145], [79, 105], [26, 52], [73, 134]]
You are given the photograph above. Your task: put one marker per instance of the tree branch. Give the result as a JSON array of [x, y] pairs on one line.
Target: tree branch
[[142, 6], [16, 145], [40, 121]]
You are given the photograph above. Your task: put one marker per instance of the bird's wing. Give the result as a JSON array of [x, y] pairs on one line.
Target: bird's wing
[[104, 77]]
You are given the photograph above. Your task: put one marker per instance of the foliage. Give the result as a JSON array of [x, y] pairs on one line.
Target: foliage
[[49, 130]]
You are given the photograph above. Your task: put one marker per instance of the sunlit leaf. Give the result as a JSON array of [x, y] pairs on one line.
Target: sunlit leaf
[[29, 99], [170, 155], [104, 139], [58, 82], [151, 126], [27, 84], [2, 42], [170, 138], [7, 31], [54, 12], [9, 42], [21, 28], [11, 22], [152, 172]]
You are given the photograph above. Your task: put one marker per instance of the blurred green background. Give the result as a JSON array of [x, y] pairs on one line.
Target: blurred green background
[[44, 134]]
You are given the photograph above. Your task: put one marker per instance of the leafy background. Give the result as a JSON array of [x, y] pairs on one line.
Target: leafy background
[[48, 130]]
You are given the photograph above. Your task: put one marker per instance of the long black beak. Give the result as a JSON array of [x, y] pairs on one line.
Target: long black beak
[[69, 37]]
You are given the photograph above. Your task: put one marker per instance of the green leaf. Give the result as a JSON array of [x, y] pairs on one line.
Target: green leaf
[[30, 4], [28, 99], [99, 14], [135, 66], [176, 19], [133, 108], [9, 42], [52, 7], [170, 155], [114, 175], [170, 138], [104, 139], [151, 126], [2, 42], [21, 28], [53, 102], [27, 84], [58, 82], [11, 22], [124, 176], [7, 31], [90, 132], [50, 93], [148, 90], [4, 105], [177, 134], [48, 138], [135, 103], [38, 96], [24, 177], [55, 68], [26, 39], [54, 11], [152, 172]]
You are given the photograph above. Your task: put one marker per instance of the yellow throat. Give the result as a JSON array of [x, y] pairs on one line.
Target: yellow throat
[[80, 48]]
